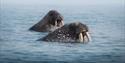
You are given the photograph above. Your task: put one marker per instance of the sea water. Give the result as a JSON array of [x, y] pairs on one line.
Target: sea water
[[19, 45]]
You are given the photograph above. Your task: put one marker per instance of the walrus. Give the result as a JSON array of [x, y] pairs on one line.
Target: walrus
[[73, 32], [51, 21]]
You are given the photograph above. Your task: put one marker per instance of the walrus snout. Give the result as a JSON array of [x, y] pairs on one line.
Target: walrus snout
[[56, 19], [84, 37], [59, 23], [82, 32]]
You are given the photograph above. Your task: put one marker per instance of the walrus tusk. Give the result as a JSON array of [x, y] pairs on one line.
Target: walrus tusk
[[55, 23], [88, 36], [80, 37], [62, 22]]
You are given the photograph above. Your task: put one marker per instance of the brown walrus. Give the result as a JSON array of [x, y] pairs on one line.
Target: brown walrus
[[50, 22], [73, 32]]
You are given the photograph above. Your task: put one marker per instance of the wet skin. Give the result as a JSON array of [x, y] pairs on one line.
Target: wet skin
[[73, 32], [51, 21]]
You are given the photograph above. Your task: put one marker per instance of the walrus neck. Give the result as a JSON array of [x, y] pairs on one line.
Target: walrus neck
[[52, 27]]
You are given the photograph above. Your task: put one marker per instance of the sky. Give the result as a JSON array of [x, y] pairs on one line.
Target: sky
[[63, 2]]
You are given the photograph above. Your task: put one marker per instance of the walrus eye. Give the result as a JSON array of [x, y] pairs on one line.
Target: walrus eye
[[51, 14]]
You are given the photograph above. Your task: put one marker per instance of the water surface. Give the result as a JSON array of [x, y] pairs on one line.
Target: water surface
[[19, 45]]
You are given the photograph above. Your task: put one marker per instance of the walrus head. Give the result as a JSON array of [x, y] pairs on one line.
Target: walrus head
[[55, 18], [51, 21], [73, 32], [80, 31]]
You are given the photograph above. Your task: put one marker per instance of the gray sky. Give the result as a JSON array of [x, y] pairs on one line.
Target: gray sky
[[64, 2]]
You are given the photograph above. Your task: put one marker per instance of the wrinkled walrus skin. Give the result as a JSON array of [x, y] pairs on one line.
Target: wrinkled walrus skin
[[73, 32], [50, 22]]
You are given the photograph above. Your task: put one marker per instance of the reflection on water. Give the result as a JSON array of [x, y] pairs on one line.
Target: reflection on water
[[18, 44]]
